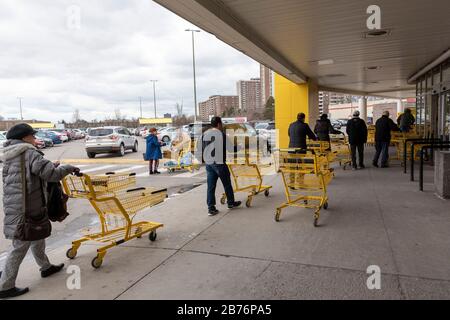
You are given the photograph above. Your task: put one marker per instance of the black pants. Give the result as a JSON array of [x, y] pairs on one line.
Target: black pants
[[382, 149], [360, 148], [215, 172]]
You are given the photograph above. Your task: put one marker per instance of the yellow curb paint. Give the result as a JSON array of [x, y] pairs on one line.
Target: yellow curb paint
[[107, 161]]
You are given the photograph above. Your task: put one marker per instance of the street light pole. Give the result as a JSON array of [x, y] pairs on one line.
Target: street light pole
[[20, 106], [140, 105], [154, 95], [193, 65]]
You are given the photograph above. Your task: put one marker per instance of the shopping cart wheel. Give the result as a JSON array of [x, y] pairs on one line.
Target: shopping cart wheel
[[277, 215], [223, 199], [266, 193], [325, 205], [316, 222], [71, 254], [152, 236], [96, 262]]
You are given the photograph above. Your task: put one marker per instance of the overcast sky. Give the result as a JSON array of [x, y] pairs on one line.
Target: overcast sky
[[106, 61]]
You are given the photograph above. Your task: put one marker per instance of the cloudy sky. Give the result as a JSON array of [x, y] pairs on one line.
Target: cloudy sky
[[103, 59]]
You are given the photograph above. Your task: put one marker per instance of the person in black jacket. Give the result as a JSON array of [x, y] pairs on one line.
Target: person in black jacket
[[323, 128], [357, 137], [383, 128], [214, 146], [298, 131]]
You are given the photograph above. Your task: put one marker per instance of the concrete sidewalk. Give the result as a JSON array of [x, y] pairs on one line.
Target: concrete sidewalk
[[376, 217]]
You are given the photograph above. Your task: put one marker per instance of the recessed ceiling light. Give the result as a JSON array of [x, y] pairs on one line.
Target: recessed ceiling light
[[373, 67], [376, 33], [334, 75], [322, 62]]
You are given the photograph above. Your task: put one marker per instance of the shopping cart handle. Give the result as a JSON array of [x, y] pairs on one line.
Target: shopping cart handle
[[136, 189]]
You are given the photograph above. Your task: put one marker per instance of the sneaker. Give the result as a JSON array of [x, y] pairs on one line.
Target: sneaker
[[151, 172], [157, 172], [52, 270], [362, 166], [234, 205], [212, 211], [14, 292], [375, 164]]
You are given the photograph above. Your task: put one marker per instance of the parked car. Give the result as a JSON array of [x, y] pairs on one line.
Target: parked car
[[336, 124], [39, 143], [63, 135], [55, 137], [2, 140], [110, 140], [168, 134], [46, 138], [244, 130]]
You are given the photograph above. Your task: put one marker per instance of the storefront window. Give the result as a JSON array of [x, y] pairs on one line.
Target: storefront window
[[447, 116]]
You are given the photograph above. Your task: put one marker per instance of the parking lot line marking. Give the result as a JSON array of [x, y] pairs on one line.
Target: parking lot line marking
[[129, 169], [190, 174], [98, 168]]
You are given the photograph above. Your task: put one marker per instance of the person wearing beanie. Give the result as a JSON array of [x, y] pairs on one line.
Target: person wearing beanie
[[324, 128], [357, 137], [25, 175], [383, 128]]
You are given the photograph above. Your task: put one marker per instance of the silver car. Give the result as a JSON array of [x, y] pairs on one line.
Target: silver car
[[110, 140]]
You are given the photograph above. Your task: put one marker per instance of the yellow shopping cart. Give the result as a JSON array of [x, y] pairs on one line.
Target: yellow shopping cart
[[109, 196], [306, 177], [184, 158], [341, 148], [245, 168]]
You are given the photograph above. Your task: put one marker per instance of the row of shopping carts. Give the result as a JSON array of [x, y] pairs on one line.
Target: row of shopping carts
[[117, 199]]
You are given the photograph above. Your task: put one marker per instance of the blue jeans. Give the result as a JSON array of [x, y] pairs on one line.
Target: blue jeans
[[214, 172], [382, 148]]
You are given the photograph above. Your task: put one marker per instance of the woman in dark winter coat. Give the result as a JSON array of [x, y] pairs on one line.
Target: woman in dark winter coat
[[323, 128], [25, 175], [153, 152]]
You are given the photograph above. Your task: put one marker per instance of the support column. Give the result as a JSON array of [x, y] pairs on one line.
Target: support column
[[442, 173], [291, 99], [400, 108], [363, 108]]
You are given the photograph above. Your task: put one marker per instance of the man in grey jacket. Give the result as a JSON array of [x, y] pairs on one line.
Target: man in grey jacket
[[38, 171]]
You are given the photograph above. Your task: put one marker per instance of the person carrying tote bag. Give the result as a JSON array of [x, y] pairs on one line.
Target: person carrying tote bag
[[25, 175]]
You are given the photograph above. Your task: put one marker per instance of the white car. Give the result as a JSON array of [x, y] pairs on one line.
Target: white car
[[110, 140], [168, 134]]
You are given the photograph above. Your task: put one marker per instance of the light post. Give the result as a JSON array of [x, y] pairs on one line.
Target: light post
[[154, 94], [193, 65], [20, 106], [140, 105]]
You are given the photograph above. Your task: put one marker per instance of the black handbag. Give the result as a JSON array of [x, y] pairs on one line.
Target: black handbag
[[57, 202], [30, 228]]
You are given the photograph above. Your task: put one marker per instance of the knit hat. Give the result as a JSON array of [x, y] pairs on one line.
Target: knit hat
[[20, 131]]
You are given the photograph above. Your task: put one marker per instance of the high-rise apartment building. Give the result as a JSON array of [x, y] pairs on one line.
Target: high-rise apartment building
[[266, 76], [216, 105], [249, 93]]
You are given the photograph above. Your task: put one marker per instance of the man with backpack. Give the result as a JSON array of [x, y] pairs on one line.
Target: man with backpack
[[26, 221]]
